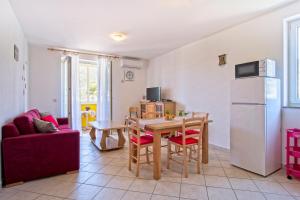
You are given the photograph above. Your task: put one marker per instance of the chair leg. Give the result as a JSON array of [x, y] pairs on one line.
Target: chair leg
[[169, 155], [185, 162], [130, 156], [198, 160], [190, 155], [147, 155], [138, 161]]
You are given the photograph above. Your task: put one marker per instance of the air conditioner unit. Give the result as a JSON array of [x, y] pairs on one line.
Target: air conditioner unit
[[130, 63]]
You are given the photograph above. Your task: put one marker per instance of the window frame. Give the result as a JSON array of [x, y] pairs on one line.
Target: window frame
[[91, 62], [291, 62]]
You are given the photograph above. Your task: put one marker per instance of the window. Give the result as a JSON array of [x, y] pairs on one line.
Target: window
[[88, 81], [294, 63]]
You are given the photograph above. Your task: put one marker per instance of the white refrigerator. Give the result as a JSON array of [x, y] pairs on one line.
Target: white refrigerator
[[255, 137]]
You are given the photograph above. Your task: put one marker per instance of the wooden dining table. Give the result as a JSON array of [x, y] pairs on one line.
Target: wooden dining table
[[159, 126]]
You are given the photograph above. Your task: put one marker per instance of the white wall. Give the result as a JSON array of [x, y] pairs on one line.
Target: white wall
[[126, 93], [191, 76], [290, 119], [12, 99], [44, 79], [44, 90]]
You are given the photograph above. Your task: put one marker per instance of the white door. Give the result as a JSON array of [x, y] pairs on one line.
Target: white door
[[248, 90], [247, 138]]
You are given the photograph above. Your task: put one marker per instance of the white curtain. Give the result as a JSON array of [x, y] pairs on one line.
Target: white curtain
[[65, 69], [75, 98], [104, 89]]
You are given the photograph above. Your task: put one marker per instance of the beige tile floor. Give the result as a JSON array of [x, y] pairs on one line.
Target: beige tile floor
[[105, 176]]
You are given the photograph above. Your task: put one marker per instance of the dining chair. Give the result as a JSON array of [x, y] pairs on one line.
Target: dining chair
[[138, 142], [133, 111], [194, 115], [187, 141], [154, 115]]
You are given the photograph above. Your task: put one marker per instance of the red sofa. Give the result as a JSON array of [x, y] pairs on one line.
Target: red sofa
[[28, 155]]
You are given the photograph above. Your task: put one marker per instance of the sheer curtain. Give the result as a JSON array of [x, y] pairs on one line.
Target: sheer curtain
[[104, 89], [75, 97], [64, 96]]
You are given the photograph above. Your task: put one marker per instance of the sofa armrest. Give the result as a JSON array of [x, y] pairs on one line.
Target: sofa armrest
[[10, 130], [63, 121]]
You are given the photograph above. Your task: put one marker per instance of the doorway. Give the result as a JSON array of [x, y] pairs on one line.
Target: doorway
[[85, 91]]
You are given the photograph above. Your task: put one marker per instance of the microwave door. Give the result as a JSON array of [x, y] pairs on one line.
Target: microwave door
[[247, 69]]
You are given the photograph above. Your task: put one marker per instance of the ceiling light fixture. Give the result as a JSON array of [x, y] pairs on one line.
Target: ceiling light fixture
[[118, 36]]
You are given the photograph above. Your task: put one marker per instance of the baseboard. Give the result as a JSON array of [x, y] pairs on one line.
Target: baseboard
[[219, 147]]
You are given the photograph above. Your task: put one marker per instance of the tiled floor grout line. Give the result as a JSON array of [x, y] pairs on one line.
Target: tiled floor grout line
[[101, 188], [232, 187]]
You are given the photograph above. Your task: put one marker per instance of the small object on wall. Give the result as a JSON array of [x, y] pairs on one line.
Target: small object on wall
[[16, 53], [222, 59], [128, 75]]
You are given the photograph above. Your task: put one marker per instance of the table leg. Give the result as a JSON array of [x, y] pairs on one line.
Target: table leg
[[121, 140], [205, 144], [105, 134], [93, 133], [157, 155]]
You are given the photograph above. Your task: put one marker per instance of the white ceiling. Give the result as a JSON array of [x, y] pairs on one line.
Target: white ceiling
[[154, 27]]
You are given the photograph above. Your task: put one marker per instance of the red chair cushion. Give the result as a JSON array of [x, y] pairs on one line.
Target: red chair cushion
[[145, 139], [50, 118], [190, 132], [179, 140]]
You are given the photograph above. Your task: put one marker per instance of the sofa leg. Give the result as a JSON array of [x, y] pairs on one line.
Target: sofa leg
[[72, 172], [13, 184]]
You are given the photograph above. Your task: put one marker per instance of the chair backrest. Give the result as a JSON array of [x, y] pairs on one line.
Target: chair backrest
[[200, 114], [195, 123], [133, 111], [134, 129], [151, 115]]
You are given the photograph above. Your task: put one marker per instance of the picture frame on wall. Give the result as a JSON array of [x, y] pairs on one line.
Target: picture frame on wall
[[16, 53], [222, 59]]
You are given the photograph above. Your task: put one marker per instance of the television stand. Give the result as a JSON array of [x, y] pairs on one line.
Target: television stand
[[159, 107]]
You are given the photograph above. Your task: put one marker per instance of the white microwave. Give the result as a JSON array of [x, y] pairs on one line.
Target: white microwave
[[265, 67]]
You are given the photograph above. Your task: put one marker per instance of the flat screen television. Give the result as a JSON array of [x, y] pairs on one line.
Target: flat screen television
[[153, 94]]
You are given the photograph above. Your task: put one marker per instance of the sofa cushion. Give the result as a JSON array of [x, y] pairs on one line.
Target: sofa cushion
[[50, 118], [44, 114], [24, 122], [10, 130], [64, 127], [63, 121], [44, 126]]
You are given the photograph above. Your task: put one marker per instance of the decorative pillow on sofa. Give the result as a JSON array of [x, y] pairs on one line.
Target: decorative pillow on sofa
[[44, 114], [44, 126], [50, 118]]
